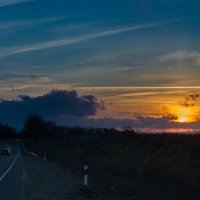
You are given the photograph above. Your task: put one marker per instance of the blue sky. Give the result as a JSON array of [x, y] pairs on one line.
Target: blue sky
[[96, 47]]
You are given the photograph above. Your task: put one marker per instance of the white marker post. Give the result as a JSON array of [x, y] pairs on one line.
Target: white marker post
[[45, 156], [85, 178]]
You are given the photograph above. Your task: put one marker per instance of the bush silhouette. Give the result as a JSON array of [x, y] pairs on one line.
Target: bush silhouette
[[7, 132]]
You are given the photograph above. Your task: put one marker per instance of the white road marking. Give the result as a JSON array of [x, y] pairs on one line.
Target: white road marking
[[7, 171], [29, 153], [25, 150], [33, 154]]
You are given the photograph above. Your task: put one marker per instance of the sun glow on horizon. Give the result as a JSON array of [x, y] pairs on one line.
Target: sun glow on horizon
[[184, 114], [183, 120]]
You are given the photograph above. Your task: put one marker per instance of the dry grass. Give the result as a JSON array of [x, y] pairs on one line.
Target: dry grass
[[167, 160]]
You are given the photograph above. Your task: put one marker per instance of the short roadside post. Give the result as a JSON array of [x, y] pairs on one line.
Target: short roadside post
[[85, 177], [45, 156]]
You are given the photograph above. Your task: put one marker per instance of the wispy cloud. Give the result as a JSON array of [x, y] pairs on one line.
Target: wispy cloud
[[92, 71], [12, 2], [146, 93], [69, 41], [25, 23], [181, 56], [117, 88]]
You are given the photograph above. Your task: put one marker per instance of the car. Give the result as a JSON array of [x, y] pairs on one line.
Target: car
[[5, 151]]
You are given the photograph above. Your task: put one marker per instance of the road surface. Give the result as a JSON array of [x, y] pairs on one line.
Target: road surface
[[10, 171], [33, 177]]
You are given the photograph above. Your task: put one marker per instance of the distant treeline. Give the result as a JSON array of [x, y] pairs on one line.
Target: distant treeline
[[35, 127]]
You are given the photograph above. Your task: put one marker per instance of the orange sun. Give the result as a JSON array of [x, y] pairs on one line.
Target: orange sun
[[182, 119], [184, 114]]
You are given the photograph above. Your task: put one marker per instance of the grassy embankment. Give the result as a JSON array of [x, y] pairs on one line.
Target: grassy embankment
[[165, 164]]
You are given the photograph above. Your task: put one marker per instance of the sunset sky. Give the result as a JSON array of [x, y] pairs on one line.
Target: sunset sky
[[140, 57]]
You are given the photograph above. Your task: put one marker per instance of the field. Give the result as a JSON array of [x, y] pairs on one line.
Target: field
[[131, 166]]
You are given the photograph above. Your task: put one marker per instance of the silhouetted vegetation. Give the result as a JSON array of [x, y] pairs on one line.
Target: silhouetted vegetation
[[7, 132], [35, 128]]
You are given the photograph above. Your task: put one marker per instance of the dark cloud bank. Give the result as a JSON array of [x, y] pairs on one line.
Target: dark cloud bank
[[52, 106]]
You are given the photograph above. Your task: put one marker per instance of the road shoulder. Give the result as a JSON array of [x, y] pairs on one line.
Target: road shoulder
[[46, 180]]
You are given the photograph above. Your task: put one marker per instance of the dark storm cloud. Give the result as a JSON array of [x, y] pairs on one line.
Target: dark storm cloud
[[52, 105]]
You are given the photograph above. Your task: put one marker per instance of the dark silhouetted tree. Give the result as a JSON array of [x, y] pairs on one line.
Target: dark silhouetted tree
[[34, 127], [7, 132]]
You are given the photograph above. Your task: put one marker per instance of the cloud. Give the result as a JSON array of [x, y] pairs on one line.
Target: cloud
[[181, 56], [70, 109], [140, 123], [191, 100], [27, 23], [53, 105], [97, 122], [12, 2], [69, 41]]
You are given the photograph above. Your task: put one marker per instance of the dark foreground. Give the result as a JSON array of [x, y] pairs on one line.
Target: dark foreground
[[131, 166]]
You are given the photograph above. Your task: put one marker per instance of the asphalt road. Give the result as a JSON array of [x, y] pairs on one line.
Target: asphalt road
[[10, 171]]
